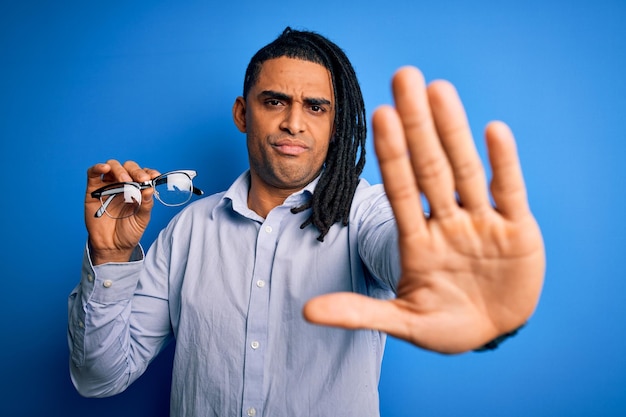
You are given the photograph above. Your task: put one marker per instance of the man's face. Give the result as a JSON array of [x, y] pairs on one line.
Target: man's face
[[288, 117]]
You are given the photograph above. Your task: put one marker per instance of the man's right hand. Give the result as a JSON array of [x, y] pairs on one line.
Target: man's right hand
[[113, 240]]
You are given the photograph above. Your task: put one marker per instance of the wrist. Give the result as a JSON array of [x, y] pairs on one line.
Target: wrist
[[493, 344], [102, 256]]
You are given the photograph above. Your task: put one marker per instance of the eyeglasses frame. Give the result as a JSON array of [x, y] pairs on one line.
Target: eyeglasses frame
[[116, 188]]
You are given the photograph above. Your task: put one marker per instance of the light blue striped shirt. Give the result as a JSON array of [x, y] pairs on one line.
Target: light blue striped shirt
[[229, 286]]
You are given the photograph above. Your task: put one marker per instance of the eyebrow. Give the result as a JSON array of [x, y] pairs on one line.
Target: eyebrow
[[315, 101]]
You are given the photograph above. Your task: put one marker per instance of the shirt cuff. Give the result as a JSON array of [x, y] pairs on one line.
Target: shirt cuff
[[111, 282]]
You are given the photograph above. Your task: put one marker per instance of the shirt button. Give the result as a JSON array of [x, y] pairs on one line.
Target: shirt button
[[268, 229], [90, 278], [107, 283], [260, 283], [251, 411], [255, 345]]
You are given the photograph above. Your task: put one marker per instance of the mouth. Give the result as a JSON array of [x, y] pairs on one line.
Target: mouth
[[290, 147]]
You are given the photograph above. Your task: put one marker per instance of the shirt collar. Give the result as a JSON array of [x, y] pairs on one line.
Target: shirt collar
[[237, 196]]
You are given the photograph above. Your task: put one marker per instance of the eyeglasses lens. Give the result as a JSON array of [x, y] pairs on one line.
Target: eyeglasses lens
[[123, 203], [173, 189]]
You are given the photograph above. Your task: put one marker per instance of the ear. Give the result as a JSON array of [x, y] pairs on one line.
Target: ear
[[239, 114]]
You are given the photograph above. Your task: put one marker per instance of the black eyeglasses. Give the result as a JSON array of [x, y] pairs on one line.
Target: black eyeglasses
[[122, 199]]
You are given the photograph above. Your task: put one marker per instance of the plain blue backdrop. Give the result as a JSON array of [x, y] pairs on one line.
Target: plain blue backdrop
[[81, 82]]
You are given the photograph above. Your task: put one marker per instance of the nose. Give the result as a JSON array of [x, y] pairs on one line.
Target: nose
[[293, 121]]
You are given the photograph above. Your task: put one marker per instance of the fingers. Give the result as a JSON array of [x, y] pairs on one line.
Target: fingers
[[137, 173], [95, 175], [507, 185], [114, 171], [438, 138], [430, 165], [456, 139], [396, 170], [426, 145]]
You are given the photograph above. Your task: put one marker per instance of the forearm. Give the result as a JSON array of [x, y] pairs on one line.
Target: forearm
[[103, 360]]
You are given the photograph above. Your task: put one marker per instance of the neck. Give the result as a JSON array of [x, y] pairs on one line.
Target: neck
[[263, 198]]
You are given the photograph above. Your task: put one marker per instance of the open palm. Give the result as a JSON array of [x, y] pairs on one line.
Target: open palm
[[473, 268]]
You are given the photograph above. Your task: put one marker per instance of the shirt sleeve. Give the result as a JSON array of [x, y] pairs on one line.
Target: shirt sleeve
[[378, 237], [109, 348]]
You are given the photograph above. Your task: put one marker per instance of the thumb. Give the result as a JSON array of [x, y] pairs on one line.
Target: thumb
[[355, 311]]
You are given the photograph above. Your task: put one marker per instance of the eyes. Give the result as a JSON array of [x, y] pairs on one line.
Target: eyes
[[272, 102], [312, 107]]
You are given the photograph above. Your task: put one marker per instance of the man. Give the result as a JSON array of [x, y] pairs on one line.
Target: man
[[244, 279]]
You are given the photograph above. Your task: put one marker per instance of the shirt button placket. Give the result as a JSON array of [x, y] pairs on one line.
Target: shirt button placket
[[256, 333]]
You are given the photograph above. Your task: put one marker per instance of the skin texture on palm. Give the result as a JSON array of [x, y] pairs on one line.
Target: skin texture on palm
[[470, 271]]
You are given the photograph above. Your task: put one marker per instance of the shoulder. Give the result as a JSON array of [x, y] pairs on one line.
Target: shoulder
[[369, 199], [369, 194]]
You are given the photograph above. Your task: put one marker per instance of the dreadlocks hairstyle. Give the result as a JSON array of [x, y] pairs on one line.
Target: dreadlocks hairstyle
[[344, 163]]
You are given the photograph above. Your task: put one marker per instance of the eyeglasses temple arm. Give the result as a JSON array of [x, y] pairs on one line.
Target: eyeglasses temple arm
[[104, 206], [111, 192]]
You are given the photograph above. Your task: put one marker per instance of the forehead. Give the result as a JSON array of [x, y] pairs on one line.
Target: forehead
[[295, 77]]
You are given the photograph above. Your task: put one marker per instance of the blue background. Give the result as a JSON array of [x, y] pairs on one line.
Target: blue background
[[81, 82]]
